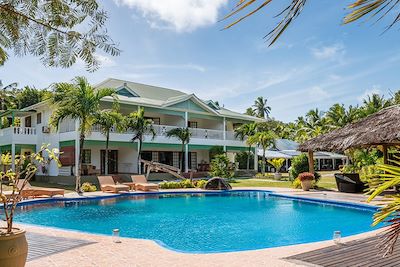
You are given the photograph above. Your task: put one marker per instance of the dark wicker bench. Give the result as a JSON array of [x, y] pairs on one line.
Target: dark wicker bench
[[349, 183]]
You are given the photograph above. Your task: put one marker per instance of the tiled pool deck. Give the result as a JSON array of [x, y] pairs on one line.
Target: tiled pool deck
[[136, 252]]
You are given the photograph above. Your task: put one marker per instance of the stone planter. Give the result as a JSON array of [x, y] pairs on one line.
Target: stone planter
[[277, 176], [306, 184], [13, 248]]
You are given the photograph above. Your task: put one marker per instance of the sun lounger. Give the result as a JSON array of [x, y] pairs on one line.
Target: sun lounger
[[29, 191], [142, 184], [108, 185]]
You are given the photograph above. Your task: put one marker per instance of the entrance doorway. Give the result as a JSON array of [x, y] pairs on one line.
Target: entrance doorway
[[112, 161]]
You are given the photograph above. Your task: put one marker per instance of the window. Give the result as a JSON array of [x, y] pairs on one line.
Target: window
[[39, 118], [28, 121], [192, 124], [166, 158], [87, 156], [125, 92]]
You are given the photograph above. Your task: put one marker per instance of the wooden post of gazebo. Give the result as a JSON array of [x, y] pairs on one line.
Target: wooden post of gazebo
[[385, 154], [311, 161]]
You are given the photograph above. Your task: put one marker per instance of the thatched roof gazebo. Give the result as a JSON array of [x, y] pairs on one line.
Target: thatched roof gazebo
[[379, 129]]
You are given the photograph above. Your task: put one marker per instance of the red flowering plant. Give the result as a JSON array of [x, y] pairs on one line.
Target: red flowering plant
[[304, 176]]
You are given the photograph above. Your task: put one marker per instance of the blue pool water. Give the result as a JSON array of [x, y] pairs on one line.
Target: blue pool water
[[204, 222]]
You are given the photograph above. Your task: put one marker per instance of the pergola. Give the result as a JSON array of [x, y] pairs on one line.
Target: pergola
[[379, 129]]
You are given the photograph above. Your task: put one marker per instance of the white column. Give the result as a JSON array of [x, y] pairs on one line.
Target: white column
[[224, 133], [187, 145], [256, 159], [13, 156], [334, 164], [77, 147]]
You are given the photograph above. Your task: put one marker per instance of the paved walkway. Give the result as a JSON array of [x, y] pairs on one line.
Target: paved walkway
[[101, 251]]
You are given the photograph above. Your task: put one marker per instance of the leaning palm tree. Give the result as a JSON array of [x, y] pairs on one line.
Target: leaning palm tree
[[137, 122], [78, 101], [264, 140], [289, 12], [261, 108], [243, 132], [183, 134], [107, 120]]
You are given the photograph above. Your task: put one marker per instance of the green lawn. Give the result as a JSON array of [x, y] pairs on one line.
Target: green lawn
[[327, 181]]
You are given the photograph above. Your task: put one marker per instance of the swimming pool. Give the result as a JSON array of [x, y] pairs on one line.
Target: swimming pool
[[206, 223]]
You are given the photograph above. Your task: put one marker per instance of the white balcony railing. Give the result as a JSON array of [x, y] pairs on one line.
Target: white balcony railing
[[24, 130], [161, 130]]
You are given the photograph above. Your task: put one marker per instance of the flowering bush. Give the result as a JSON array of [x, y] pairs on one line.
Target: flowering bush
[[306, 176], [88, 187]]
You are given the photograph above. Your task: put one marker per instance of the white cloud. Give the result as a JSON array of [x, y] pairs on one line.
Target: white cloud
[[369, 92], [105, 61], [331, 52], [179, 15]]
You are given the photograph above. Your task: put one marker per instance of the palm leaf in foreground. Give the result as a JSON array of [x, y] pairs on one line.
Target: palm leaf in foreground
[[290, 11]]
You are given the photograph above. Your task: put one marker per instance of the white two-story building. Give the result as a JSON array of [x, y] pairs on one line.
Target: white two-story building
[[210, 124]]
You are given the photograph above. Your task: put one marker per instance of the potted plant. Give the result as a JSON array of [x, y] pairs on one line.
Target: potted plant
[[306, 179], [13, 245], [277, 164]]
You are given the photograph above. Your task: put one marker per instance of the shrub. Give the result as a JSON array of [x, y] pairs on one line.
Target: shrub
[[221, 167], [276, 163], [299, 165], [304, 176], [296, 184], [183, 184], [88, 187], [216, 150]]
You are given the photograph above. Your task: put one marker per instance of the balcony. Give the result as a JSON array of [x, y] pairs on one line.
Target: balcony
[[22, 135], [197, 133]]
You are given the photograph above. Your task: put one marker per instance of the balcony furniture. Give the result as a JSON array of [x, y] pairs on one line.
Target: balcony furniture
[[349, 183], [88, 169], [108, 185], [142, 184]]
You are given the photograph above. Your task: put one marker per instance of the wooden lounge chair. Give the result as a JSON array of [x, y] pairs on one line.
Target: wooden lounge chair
[[142, 184], [29, 191], [108, 185]]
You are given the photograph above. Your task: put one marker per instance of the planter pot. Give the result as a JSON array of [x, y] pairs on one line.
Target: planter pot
[[306, 185], [277, 176], [13, 248]]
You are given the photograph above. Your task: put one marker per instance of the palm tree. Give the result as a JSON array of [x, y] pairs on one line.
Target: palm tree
[[244, 131], [288, 13], [250, 111], [338, 116], [140, 126], [264, 140], [107, 120], [7, 100], [372, 104], [78, 101], [261, 108], [183, 134]]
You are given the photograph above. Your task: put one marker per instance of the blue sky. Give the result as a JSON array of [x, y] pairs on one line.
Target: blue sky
[[178, 44]]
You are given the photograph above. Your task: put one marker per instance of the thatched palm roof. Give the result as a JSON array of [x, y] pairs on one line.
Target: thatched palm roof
[[379, 128]]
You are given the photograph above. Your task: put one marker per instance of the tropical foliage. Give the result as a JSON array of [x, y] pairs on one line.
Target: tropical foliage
[[289, 12], [78, 101], [221, 167], [108, 120], [264, 140], [243, 132], [388, 178], [276, 163], [300, 165], [52, 31], [183, 134], [12, 97], [17, 179], [140, 126]]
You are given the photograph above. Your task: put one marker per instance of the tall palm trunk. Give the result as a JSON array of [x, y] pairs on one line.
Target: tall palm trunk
[[78, 175], [139, 156], [264, 162], [183, 157], [107, 152], [248, 159]]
